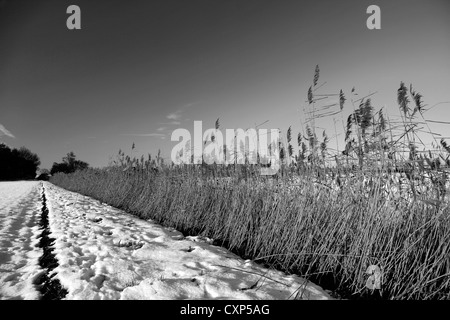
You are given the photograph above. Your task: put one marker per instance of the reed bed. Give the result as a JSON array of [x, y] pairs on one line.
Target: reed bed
[[381, 203]]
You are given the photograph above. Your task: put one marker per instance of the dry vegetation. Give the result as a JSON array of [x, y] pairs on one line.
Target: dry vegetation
[[327, 216]]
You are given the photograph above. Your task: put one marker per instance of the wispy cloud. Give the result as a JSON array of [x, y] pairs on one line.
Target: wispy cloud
[[190, 105], [177, 116], [161, 129], [171, 123], [5, 132], [174, 115]]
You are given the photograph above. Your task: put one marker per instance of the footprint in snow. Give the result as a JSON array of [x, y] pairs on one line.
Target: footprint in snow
[[99, 279], [190, 249], [128, 244]]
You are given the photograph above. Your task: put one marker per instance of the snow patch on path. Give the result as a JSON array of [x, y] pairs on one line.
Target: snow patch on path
[[20, 210], [105, 253]]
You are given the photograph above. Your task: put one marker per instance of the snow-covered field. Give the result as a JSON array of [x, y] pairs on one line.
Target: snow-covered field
[[105, 253]]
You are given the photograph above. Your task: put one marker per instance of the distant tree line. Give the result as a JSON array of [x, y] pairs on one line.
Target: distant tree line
[[69, 164], [17, 164]]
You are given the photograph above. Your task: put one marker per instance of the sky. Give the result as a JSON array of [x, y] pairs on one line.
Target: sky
[[137, 70]]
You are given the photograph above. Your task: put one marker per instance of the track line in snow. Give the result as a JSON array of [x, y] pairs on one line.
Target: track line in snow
[[48, 284]]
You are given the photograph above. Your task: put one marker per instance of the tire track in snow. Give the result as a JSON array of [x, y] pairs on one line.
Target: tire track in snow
[[49, 285]]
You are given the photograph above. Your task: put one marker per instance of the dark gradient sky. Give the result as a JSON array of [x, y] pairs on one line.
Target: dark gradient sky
[[139, 69]]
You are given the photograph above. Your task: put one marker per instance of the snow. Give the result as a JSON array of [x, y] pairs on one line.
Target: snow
[[105, 253], [20, 209]]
